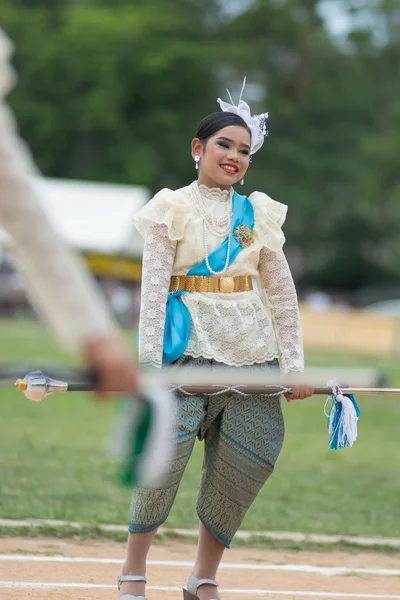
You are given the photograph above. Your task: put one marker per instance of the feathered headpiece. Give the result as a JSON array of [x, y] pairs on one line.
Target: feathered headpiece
[[256, 123]]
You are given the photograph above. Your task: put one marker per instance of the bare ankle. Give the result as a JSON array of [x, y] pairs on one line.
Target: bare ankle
[[201, 573], [133, 569]]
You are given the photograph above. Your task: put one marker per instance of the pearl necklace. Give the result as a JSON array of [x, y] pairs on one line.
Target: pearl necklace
[[219, 226], [206, 253]]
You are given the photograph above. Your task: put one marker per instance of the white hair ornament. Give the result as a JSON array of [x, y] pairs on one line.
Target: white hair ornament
[[256, 123]]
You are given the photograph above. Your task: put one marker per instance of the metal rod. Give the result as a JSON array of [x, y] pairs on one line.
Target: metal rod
[[270, 389], [86, 386], [358, 377], [372, 391], [37, 385]]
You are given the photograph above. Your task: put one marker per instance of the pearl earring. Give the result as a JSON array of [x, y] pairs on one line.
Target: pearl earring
[[242, 182], [197, 160]]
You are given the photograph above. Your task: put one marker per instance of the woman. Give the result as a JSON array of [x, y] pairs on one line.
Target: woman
[[220, 241]]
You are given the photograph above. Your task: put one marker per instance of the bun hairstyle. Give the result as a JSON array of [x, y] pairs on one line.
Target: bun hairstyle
[[216, 121]]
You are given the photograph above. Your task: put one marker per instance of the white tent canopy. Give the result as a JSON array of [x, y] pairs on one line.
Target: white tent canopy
[[93, 217]]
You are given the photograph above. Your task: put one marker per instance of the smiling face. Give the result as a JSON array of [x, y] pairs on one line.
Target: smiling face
[[224, 157]]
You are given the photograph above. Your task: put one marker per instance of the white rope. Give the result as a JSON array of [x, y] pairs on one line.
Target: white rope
[[226, 389]]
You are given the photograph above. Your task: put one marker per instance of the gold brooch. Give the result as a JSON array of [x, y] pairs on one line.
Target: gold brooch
[[244, 236]]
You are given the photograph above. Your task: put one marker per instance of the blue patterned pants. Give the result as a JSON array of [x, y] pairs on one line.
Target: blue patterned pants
[[242, 440]]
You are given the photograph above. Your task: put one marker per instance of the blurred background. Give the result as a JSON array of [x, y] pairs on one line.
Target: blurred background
[[113, 91], [109, 97]]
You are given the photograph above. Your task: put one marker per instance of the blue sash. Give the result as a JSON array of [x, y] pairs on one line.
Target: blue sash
[[177, 317]]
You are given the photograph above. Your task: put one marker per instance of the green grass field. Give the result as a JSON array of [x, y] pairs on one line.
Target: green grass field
[[53, 464]]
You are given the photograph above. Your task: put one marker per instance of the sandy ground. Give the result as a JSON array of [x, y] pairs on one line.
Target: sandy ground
[[248, 574]]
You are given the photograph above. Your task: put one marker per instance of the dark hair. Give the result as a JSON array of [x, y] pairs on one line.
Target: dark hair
[[217, 121]]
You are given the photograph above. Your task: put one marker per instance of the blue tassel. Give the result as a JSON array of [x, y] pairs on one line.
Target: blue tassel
[[342, 421]]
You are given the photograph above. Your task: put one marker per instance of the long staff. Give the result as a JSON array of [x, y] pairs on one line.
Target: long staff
[[36, 385], [342, 416]]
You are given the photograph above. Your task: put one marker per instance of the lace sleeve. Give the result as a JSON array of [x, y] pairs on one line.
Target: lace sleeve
[[281, 296], [158, 260], [63, 291]]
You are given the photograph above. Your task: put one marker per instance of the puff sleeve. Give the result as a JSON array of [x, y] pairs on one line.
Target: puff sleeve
[[169, 208], [277, 283], [269, 217]]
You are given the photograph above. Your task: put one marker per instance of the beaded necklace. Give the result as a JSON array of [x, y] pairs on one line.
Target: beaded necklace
[[218, 226]]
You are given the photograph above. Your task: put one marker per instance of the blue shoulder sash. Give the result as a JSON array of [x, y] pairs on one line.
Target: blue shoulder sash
[[177, 317]]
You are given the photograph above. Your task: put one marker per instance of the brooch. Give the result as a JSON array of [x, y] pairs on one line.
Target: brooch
[[244, 236]]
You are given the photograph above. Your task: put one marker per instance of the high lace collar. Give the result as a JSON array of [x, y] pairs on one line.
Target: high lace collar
[[214, 193]]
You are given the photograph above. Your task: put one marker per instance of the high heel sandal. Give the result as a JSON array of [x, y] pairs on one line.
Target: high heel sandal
[[190, 592], [123, 578]]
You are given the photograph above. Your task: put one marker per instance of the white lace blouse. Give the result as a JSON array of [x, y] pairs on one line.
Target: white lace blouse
[[232, 328], [63, 291]]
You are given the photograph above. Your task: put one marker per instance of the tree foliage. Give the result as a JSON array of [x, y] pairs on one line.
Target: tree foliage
[[113, 91]]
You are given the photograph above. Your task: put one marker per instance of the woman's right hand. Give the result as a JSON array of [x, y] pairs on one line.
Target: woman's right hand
[[300, 392], [113, 366]]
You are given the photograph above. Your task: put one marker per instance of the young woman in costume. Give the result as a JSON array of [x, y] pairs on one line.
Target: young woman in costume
[[204, 246]]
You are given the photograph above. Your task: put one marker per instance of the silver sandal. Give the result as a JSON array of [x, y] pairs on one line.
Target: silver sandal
[[123, 578], [190, 592]]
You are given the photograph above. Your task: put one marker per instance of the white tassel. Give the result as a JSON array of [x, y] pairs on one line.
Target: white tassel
[[347, 426]]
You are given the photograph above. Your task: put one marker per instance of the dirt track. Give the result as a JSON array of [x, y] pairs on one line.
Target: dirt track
[[248, 576]]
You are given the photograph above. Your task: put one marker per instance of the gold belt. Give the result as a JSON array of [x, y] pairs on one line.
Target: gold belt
[[202, 283]]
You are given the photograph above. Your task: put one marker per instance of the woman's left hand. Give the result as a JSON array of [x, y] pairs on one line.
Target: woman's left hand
[[299, 392]]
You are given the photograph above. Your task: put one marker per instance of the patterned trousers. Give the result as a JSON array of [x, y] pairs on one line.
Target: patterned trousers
[[242, 440]]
